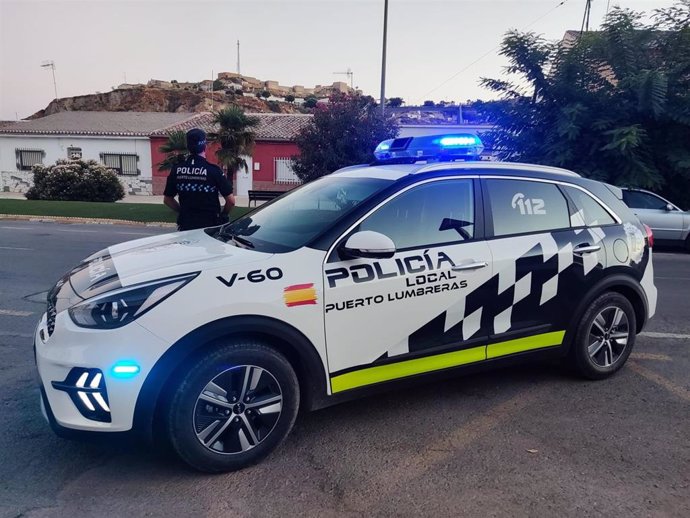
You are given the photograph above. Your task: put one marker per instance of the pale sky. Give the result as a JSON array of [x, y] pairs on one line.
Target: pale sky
[[95, 44]]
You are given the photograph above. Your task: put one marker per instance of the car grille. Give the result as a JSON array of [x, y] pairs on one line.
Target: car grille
[[51, 312]]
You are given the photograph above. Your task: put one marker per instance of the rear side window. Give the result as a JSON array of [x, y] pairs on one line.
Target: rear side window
[[642, 200], [588, 212], [521, 206]]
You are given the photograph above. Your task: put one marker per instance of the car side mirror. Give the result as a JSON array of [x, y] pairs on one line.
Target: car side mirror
[[670, 207], [368, 244]]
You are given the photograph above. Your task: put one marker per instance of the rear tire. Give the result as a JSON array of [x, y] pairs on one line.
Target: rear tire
[[233, 407], [605, 336]]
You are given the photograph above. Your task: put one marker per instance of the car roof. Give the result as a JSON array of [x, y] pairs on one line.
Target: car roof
[[397, 171]]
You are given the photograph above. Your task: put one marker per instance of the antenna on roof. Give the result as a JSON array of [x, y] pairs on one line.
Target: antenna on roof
[[51, 65], [238, 57]]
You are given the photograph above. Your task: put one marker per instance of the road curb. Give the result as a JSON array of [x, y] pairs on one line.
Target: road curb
[[87, 221]]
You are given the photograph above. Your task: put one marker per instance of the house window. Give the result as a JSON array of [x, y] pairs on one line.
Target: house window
[[74, 153], [284, 172], [26, 158], [124, 164]]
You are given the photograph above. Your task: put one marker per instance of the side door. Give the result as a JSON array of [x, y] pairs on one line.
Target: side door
[[542, 265], [652, 210], [414, 312], [245, 177]]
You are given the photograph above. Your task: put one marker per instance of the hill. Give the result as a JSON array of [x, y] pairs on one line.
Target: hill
[[149, 99]]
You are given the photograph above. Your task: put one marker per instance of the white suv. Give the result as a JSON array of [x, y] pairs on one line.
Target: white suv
[[374, 274]]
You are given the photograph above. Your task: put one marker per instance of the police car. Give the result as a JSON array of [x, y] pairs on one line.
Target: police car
[[423, 262]]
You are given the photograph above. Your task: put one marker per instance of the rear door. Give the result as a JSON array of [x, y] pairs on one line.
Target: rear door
[[420, 310], [542, 265]]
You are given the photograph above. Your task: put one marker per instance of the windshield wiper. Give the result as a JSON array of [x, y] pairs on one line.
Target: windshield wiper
[[240, 240]]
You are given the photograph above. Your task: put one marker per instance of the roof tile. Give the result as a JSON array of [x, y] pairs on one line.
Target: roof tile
[[96, 123], [272, 126]]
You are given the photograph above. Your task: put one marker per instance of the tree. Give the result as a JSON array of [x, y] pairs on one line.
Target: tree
[[614, 106], [428, 103], [235, 135], [343, 132], [218, 85], [265, 94], [175, 149], [395, 102], [310, 102], [290, 98]]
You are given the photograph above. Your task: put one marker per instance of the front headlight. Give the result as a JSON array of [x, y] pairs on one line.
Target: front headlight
[[120, 307]]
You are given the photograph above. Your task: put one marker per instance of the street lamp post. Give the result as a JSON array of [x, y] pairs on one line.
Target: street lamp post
[[383, 59]]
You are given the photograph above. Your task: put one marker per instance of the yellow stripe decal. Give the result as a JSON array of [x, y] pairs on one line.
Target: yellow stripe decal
[[380, 373], [525, 344], [406, 368]]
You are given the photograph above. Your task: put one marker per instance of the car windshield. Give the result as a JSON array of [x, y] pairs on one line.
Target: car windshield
[[293, 220]]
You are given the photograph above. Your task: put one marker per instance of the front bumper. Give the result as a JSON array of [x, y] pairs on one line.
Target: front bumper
[[70, 347]]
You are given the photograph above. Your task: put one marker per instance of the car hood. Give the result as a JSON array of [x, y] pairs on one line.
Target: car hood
[[148, 259]]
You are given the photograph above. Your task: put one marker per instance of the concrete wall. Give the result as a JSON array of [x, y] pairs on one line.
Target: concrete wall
[[55, 147]]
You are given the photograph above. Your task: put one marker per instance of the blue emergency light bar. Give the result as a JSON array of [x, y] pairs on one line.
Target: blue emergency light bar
[[442, 148]]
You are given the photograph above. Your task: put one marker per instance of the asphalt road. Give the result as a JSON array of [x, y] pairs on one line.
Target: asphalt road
[[520, 441]]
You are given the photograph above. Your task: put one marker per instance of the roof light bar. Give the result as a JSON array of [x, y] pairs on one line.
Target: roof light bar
[[460, 146]]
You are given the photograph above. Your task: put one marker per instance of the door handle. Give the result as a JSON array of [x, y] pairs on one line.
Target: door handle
[[586, 249], [469, 266]]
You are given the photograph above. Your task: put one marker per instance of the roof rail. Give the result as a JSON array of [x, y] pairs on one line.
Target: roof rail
[[496, 165]]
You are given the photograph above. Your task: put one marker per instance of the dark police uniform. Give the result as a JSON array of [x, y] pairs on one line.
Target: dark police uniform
[[197, 182]]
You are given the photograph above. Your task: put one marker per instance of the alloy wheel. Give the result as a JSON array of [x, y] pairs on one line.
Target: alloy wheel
[[237, 409], [608, 336]]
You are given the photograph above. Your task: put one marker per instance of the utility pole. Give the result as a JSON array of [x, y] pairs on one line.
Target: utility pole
[[383, 58], [585, 18], [212, 81], [238, 57], [51, 65]]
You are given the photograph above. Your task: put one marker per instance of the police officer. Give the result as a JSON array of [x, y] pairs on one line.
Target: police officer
[[197, 183]]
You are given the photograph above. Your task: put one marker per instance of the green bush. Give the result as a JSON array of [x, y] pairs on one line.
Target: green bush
[[75, 180], [310, 102]]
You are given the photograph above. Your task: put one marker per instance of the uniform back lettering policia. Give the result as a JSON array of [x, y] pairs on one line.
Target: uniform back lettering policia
[[197, 182]]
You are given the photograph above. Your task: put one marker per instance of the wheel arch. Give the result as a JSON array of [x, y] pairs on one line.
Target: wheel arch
[[627, 286], [296, 347]]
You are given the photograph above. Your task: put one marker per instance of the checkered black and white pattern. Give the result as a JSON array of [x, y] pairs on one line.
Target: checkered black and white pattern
[[195, 187], [518, 289]]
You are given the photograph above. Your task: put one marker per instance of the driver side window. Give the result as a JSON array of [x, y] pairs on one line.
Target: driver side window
[[430, 214]]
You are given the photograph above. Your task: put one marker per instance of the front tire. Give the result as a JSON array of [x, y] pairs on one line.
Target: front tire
[[233, 407], [605, 336]]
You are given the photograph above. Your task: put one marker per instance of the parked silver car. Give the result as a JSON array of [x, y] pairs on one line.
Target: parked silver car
[[668, 222]]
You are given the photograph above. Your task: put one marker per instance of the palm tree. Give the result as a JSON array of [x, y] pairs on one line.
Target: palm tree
[[175, 150], [235, 135]]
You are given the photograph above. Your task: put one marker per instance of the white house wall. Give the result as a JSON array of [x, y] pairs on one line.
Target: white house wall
[[55, 147]]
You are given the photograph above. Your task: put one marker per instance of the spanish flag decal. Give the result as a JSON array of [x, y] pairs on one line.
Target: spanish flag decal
[[299, 295]]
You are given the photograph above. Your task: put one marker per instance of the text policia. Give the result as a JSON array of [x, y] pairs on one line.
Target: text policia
[[417, 283]]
